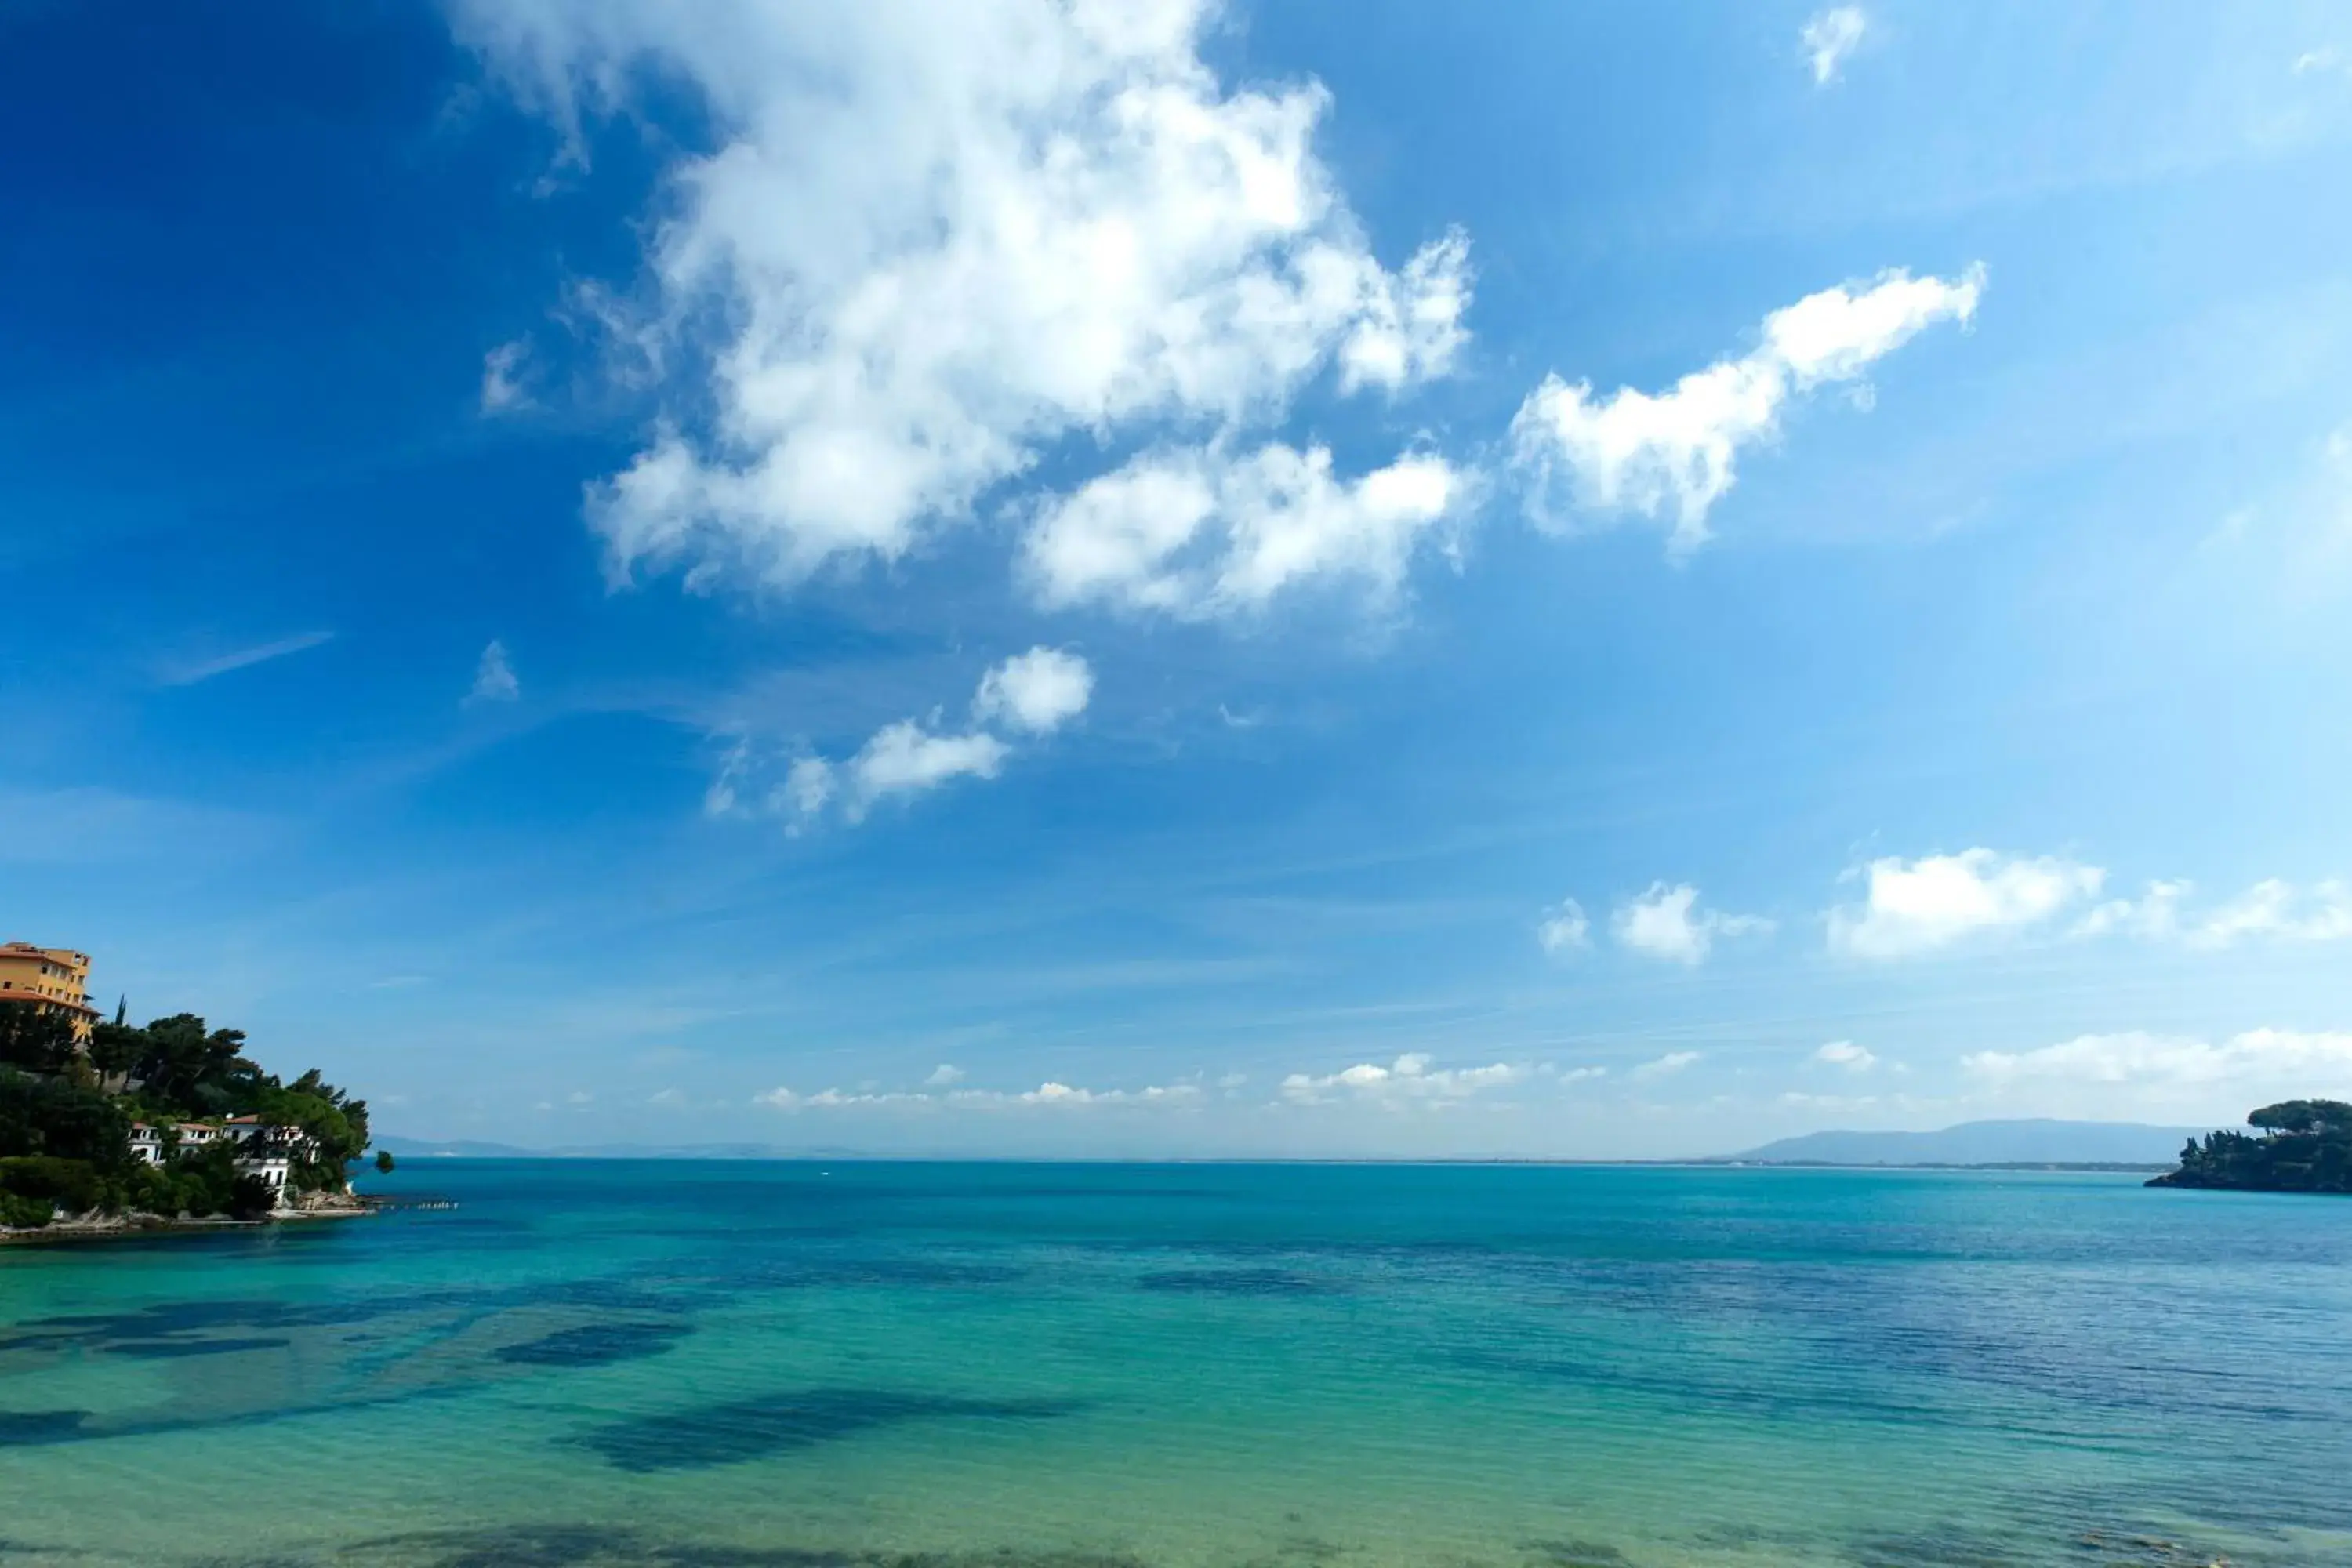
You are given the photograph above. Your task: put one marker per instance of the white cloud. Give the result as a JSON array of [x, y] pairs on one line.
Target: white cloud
[[1799, 1099], [1564, 927], [1829, 36], [2277, 909], [906, 758], [1642, 453], [944, 1080], [1063, 1094], [1036, 691], [2271, 908], [2137, 1073], [2156, 914], [1032, 693], [1409, 1076], [1847, 1055], [1665, 1065], [2326, 57], [1414, 330], [1919, 906], [944, 239], [668, 1097], [1198, 534], [494, 677], [502, 388], [782, 1098], [1666, 922], [808, 786]]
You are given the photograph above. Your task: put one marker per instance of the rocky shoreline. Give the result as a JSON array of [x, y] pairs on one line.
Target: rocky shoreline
[[111, 1226]]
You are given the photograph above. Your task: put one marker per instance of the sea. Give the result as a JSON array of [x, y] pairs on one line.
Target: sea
[[786, 1364]]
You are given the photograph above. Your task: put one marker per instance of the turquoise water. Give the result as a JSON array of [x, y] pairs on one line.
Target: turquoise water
[[728, 1366]]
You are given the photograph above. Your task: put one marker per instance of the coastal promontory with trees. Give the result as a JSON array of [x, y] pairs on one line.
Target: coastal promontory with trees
[[2305, 1146], [104, 1123]]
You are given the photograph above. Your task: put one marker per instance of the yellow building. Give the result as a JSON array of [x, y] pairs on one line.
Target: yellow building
[[53, 978]]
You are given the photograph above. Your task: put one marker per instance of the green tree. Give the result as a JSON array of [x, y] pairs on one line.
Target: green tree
[[36, 1038], [383, 1161], [61, 1119], [69, 1184], [194, 1071], [2302, 1116], [2306, 1147], [25, 1214], [117, 1050]]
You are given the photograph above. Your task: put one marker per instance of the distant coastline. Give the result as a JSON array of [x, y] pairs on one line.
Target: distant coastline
[[2015, 1145], [428, 1150]]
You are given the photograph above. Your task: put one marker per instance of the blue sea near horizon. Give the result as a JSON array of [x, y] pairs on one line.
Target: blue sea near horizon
[[731, 1364]]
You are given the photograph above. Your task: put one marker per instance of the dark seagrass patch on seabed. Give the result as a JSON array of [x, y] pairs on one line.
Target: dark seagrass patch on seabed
[[165, 1320], [737, 1430], [1964, 1549], [595, 1345], [1233, 1283], [588, 1546], [1574, 1555], [25, 1429], [173, 1350]]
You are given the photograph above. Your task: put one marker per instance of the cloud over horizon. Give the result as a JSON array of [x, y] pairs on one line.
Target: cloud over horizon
[[2141, 1073]]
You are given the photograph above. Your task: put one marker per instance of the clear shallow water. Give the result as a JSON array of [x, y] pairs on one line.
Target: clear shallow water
[[731, 1365]]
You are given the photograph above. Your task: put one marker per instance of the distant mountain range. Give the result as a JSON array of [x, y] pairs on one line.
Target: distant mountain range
[[2038, 1142]]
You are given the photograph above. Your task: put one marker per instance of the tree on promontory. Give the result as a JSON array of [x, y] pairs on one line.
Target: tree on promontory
[[2306, 1147]]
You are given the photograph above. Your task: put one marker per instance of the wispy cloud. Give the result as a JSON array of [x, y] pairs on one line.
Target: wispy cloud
[[1829, 36], [1564, 927], [494, 677], [1029, 695], [2326, 60], [190, 673], [2138, 1072], [2271, 910], [502, 388], [1665, 1065]]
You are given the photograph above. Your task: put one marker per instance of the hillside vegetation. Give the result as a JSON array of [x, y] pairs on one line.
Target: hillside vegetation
[[2305, 1146], [67, 1110]]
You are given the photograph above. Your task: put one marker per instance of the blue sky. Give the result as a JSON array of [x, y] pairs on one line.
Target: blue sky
[[1274, 579]]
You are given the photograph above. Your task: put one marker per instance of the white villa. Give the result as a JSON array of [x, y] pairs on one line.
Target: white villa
[[263, 1149]]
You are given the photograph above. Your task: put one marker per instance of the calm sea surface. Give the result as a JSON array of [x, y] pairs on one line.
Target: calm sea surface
[[726, 1365]]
